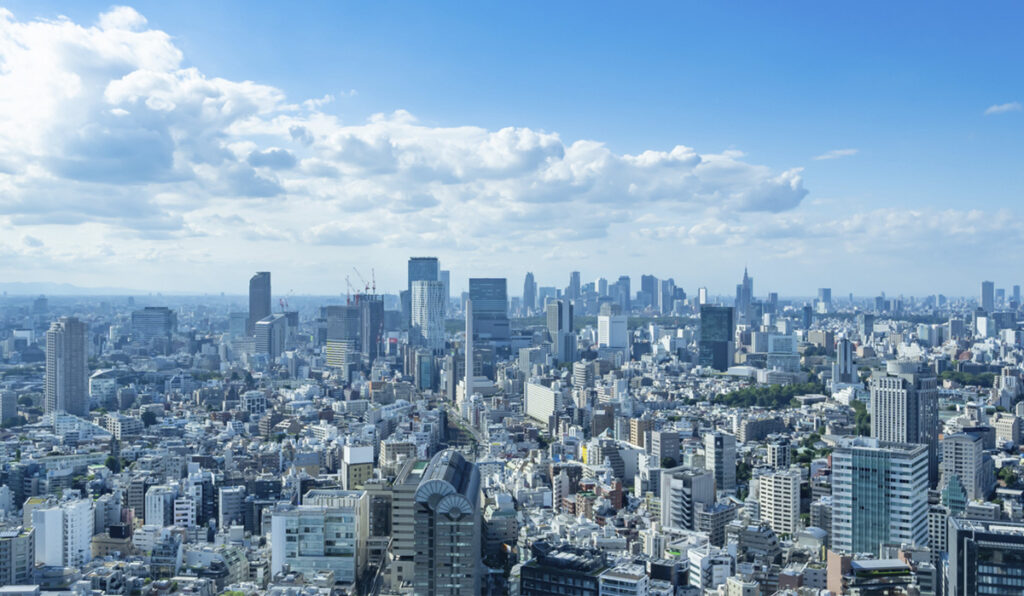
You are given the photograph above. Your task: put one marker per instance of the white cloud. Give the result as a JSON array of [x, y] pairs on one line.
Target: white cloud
[[837, 153], [106, 140], [1002, 108]]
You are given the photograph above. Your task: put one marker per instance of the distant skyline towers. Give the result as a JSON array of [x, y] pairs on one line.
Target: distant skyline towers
[[259, 298], [428, 314], [529, 294], [446, 279], [420, 269], [371, 323], [988, 296], [67, 371], [573, 290], [744, 298], [716, 344], [490, 308]]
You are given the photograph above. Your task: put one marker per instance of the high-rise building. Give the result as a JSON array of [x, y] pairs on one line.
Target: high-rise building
[[230, 506], [716, 337], [67, 370], [825, 299], [649, 288], [446, 281], [905, 409], [720, 459], [560, 330], [259, 298], [880, 495], [844, 371], [744, 299], [446, 516], [428, 314], [572, 291], [529, 294], [8, 405], [702, 296], [612, 330], [988, 296], [985, 557], [602, 286], [490, 308], [153, 322], [371, 315], [420, 269], [1016, 296], [963, 455], [562, 569], [683, 490], [327, 532], [779, 500], [270, 333]]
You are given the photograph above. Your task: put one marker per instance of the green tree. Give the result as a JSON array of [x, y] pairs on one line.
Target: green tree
[[148, 418], [113, 464]]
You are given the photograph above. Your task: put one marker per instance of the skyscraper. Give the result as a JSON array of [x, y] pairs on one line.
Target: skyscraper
[[844, 371], [560, 330], [649, 289], [490, 308], [572, 292], [985, 557], [153, 322], [905, 409], [428, 314], [880, 495], [446, 280], [825, 299], [744, 297], [67, 371], [988, 297], [420, 269], [716, 337], [371, 315], [612, 331], [529, 294], [446, 514], [259, 298]]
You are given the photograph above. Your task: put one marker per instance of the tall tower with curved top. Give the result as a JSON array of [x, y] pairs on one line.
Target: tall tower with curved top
[[446, 514]]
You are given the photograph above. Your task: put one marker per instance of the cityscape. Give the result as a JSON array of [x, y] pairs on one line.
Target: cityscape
[[528, 299]]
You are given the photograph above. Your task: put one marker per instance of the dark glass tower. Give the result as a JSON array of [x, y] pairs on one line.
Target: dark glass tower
[[716, 336], [259, 298]]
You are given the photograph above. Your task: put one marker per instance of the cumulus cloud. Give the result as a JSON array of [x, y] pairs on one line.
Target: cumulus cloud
[[1002, 108], [108, 140], [836, 154]]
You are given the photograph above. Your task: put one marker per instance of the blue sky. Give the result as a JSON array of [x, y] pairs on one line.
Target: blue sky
[[897, 91]]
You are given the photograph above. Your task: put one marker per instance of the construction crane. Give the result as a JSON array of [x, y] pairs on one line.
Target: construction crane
[[362, 279], [348, 284]]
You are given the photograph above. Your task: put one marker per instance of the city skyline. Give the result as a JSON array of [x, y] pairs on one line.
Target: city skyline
[[161, 154]]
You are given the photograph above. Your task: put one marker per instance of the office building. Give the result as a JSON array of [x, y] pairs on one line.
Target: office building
[[824, 300], [327, 532], [356, 466], [905, 409], [428, 314], [779, 500], [683, 491], [153, 322], [985, 557], [8, 405], [612, 330], [259, 298], [560, 330], [880, 495], [420, 269], [67, 370], [716, 337], [371, 315], [720, 459], [988, 299], [490, 309], [529, 294], [572, 291], [447, 527], [230, 506], [160, 505], [271, 333], [963, 455], [844, 371]]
